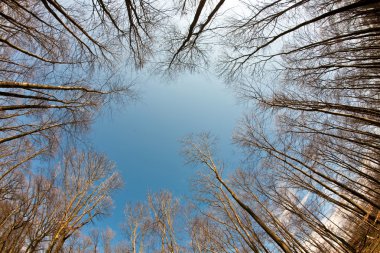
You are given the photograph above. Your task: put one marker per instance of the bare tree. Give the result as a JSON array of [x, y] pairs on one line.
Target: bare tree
[[316, 170], [312, 182], [137, 226], [52, 54], [58, 68], [50, 210], [164, 210], [200, 151], [153, 225], [107, 236]]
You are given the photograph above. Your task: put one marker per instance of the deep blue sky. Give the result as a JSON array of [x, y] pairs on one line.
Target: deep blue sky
[[143, 137]]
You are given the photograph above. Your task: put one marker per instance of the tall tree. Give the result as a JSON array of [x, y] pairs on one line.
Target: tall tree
[[43, 212]]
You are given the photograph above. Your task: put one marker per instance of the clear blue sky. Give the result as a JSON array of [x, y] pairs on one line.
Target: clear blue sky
[[143, 137]]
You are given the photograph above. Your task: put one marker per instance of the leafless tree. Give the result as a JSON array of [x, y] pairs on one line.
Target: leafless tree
[[137, 226], [315, 169], [44, 212], [107, 235], [51, 55], [153, 225], [200, 150]]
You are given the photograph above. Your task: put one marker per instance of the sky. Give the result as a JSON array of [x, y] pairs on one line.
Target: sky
[[143, 137]]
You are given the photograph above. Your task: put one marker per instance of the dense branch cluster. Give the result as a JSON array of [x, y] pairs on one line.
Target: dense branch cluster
[[313, 183], [50, 91]]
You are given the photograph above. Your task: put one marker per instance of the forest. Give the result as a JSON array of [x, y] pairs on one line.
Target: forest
[[310, 177]]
